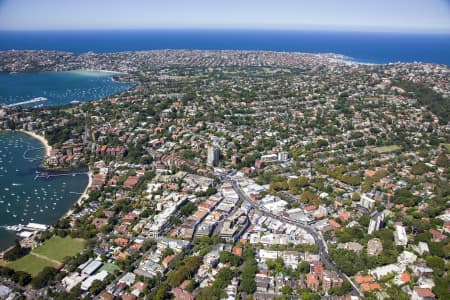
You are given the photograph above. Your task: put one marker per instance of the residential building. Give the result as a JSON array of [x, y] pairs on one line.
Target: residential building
[[213, 156]]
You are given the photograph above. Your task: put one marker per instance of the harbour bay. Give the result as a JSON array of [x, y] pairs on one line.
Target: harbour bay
[[23, 197], [58, 88]]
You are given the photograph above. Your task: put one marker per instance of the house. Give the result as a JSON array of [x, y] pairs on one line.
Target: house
[[131, 182], [331, 279], [128, 296], [180, 294], [312, 282], [166, 261], [121, 242], [360, 279], [99, 222], [374, 247], [401, 239], [237, 251], [382, 271], [402, 278], [351, 246], [334, 224], [368, 287], [107, 296], [130, 217], [437, 236], [4, 291], [128, 279], [422, 294]]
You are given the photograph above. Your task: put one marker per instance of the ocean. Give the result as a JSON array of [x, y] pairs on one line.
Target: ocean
[[58, 87], [361, 46], [24, 199]]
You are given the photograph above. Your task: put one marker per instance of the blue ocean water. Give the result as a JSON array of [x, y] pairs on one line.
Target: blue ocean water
[[366, 47], [24, 199], [58, 87]]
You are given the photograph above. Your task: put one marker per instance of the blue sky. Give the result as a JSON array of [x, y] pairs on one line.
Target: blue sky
[[361, 15]]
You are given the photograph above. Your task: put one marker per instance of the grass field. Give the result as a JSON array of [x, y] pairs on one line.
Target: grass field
[[50, 254], [110, 268], [30, 264], [57, 247], [386, 149]]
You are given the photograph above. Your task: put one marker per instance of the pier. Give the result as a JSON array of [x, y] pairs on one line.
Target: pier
[[34, 100], [46, 175]]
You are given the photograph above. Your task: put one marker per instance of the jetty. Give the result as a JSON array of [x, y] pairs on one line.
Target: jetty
[[46, 175], [34, 100]]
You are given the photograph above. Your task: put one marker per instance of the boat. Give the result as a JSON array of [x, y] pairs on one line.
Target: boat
[[16, 228]]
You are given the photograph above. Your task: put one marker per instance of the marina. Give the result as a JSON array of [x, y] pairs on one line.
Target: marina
[[25, 199], [29, 194], [29, 227], [57, 88], [47, 175]]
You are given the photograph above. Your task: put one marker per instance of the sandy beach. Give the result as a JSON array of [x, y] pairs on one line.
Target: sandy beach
[[48, 149], [86, 190], [83, 196], [42, 139]]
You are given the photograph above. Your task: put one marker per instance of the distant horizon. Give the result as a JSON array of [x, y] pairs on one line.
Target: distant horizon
[[365, 47], [268, 29], [419, 16]]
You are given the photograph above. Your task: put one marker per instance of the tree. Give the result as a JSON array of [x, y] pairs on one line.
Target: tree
[[162, 292], [419, 168], [342, 290], [296, 184], [309, 296], [249, 269], [441, 287], [303, 267], [286, 290], [442, 160], [356, 197], [167, 252], [437, 264], [21, 278], [188, 267], [16, 252], [43, 278], [308, 197], [227, 257], [96, 287]]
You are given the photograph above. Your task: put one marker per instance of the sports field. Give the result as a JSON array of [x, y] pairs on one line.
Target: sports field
[[57, 247], [30, 264], [50, 254]]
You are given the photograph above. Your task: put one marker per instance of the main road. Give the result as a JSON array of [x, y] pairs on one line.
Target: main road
[[318, 238]]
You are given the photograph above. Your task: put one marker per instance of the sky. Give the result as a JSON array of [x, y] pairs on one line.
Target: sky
[[360, 15]]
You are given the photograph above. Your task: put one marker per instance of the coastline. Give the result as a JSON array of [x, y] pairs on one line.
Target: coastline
[[41, 138], [48, 149], [82, 197], [110, 72]]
